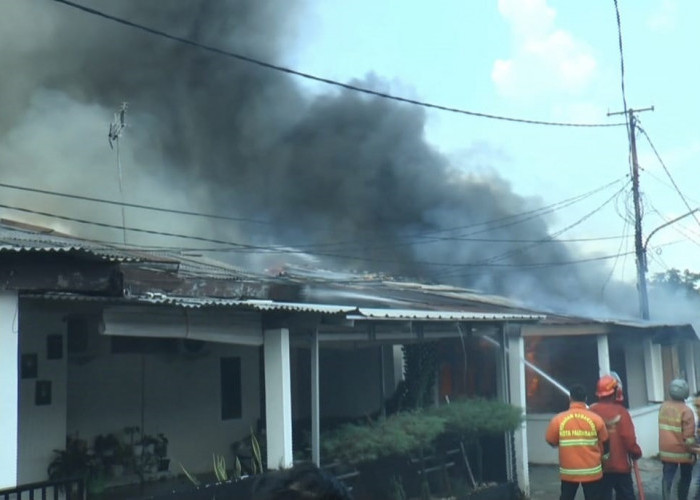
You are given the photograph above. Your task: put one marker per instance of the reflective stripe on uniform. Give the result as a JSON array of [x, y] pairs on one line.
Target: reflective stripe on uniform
[[672, 428], [668, 454], [579, 442], [581, 472]]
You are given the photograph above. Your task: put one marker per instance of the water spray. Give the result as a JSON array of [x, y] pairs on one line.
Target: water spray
[[530, 365]]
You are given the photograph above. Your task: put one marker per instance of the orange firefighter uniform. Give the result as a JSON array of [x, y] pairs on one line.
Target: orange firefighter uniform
[[580, 435], [623, 441], [676, 432]]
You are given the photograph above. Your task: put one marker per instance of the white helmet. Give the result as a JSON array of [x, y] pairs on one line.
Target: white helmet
[[678, 389]]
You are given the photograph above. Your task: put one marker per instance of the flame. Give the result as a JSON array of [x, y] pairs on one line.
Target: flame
[[532, 379]]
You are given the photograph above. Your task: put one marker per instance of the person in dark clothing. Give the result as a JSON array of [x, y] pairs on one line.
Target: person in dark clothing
[[303, 481], [617, 470]]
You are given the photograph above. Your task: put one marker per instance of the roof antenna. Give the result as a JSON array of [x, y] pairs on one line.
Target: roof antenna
[[115, 131]]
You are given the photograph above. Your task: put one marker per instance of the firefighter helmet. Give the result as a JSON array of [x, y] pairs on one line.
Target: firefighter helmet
[[619, 395], [607, 386], [678, 389]]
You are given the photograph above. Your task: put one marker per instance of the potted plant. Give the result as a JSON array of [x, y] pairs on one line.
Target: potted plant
[[123, 459], [160, 450], [105, 446], [160, 447], [77, 461]]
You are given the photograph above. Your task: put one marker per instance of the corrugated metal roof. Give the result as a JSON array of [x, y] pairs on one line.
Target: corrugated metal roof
[[422, 315], [256, 305], [352, 312], [19, 240]]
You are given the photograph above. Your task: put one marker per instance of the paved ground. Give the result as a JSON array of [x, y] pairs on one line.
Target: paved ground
[[544, 481]]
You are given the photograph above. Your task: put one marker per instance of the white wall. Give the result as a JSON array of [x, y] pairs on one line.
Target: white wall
[[9, 396], [42, 429], [646, 425], [636, 389], [538, 451], [181, 399]]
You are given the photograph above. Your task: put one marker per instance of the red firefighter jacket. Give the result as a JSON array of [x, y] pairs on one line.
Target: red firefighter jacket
[[579, 433], [676, 432], [623, 441]]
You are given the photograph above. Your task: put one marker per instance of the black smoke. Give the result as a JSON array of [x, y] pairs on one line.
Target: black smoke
[[343, 180]]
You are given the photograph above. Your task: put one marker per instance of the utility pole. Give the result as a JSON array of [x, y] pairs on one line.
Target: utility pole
[[639, 248]]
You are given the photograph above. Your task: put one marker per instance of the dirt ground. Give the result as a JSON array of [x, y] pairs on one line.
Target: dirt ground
[[544, 481]]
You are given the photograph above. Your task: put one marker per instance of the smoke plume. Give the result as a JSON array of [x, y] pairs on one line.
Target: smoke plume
[[344, 180]]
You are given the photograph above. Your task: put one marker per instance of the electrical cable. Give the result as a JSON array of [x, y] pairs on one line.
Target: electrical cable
[[132, 205], [625, 226], [622, 67], [247, 248], [489, 225], [668, 173], [512, 219], [552, 237], [316, 78]]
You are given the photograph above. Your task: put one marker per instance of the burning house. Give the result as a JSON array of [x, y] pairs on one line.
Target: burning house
[[646, 355], [109, 341], [98, 337]]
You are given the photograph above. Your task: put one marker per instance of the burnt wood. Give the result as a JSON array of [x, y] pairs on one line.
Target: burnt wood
[[59, 273]]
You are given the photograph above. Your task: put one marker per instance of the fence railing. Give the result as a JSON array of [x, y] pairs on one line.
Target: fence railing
[[64, 489]]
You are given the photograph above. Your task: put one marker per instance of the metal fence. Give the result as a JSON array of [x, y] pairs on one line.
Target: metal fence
[[64, 489]]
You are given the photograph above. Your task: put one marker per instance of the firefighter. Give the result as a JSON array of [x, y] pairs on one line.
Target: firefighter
[[696, 404], [676, 439], [617, 472], [582, 439]]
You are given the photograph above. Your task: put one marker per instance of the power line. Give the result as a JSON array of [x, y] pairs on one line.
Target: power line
[[561, 231], [247, 248], [675, 186], [132, 205], [490, 225], [622, 65], [417, 238], [320, 79]]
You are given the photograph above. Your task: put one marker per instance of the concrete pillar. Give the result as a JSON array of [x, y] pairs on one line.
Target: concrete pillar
[[603, 355], [278, 398], [315, 407], [517, 396], [9, 388], [690, 371], [653, 368]]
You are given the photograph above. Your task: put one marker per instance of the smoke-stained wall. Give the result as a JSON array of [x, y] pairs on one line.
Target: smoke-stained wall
[[340, 180]]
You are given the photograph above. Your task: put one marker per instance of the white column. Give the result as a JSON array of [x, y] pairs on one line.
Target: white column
[[315, 408], [689, 351], [9, 388], [603, 355], [653, 369], [278, 398], [518, 397]]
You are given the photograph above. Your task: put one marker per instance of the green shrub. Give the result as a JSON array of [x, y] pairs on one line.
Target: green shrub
[[473, 418], [399, 434], [408, 432]]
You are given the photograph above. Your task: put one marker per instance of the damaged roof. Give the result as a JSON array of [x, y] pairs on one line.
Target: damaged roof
[[172, 278]]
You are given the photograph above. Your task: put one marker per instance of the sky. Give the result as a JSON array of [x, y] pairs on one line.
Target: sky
[[316, 175], [541, 60]]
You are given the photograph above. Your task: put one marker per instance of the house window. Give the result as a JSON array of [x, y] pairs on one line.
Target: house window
[[231, 404], [568, 360]]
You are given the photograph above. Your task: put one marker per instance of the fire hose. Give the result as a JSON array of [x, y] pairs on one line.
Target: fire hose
[[638, 478]]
